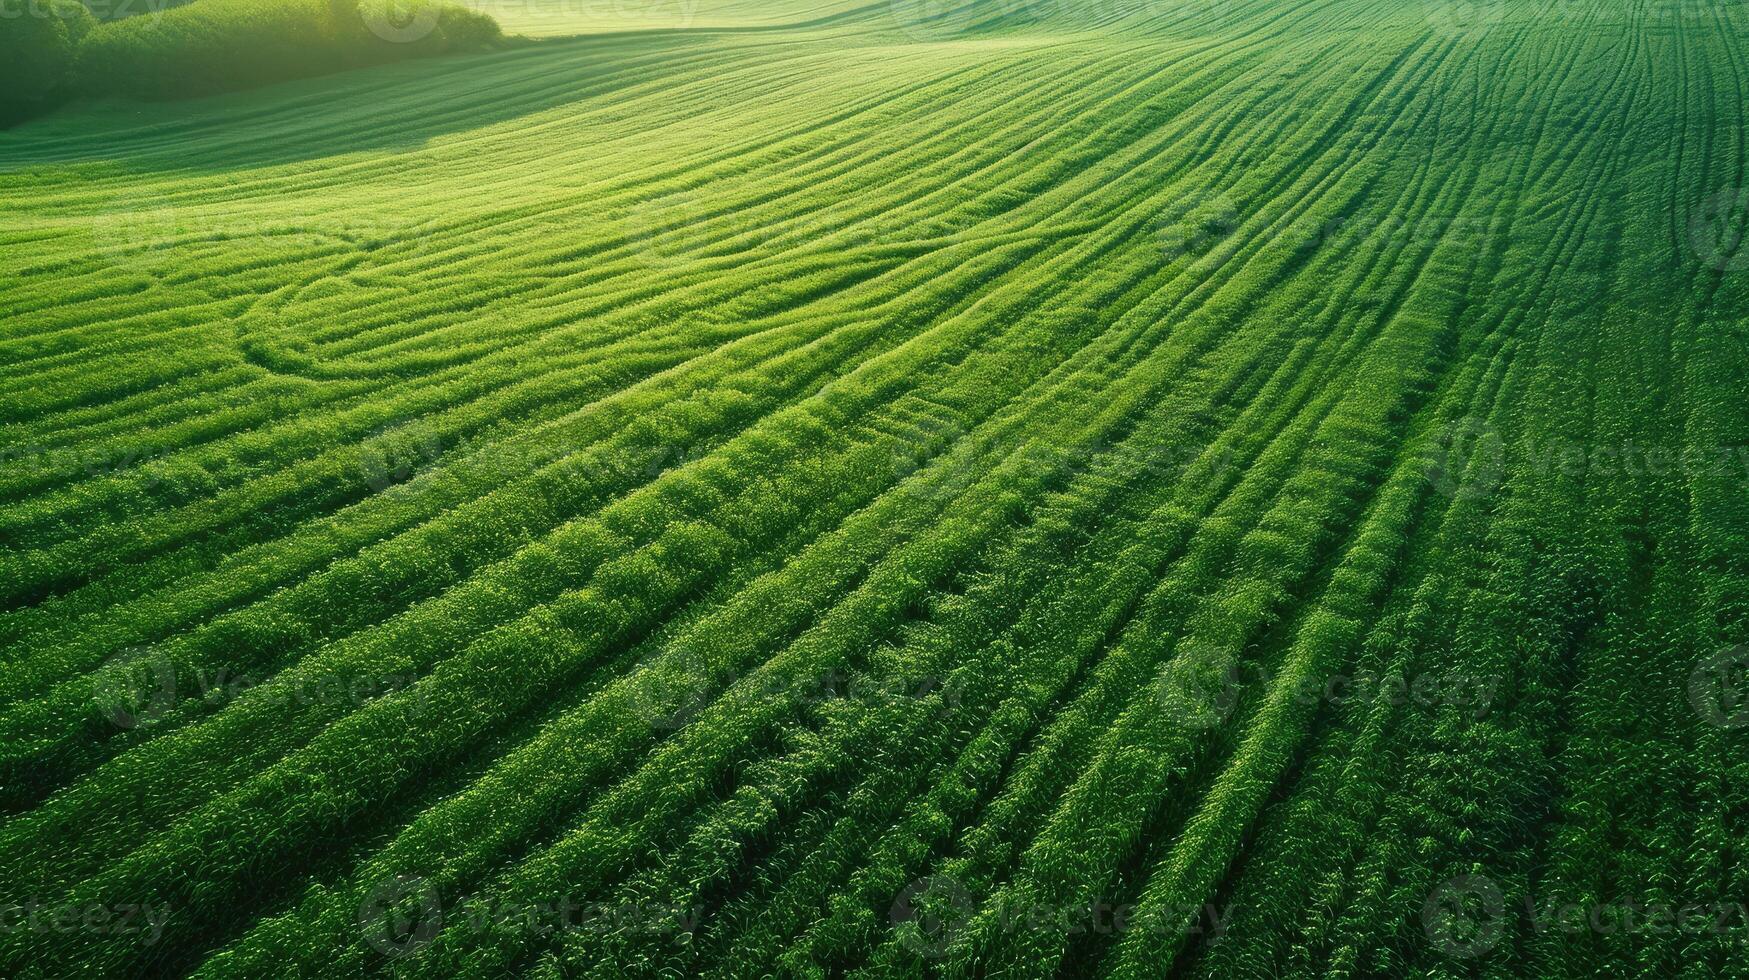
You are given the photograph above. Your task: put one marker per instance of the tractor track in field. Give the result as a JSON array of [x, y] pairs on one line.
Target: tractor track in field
[[571, 412]]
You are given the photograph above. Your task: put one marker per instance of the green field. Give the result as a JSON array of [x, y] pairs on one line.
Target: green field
[[1009, 488]]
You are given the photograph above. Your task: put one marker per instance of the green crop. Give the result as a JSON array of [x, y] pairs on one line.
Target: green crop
[[996, 488]]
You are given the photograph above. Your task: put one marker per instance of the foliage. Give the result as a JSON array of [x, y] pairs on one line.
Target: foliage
[[37, 44], [55, 49], [223, 45]]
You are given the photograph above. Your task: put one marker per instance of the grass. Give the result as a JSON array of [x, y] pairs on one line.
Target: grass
[[988, 489]]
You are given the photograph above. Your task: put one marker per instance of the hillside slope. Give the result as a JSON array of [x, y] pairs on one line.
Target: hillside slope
[[1228, 488]]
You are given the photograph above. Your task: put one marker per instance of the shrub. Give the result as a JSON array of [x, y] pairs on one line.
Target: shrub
[[222, 45], [37, 43], [467, 30]]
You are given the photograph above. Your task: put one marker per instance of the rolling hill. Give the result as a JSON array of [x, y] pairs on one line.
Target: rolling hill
[[1006, 488]]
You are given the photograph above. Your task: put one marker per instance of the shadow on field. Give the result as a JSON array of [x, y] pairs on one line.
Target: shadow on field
[[400, 106]]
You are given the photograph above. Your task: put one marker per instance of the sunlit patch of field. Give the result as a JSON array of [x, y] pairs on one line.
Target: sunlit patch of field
[[860, 497], [555, 18]]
